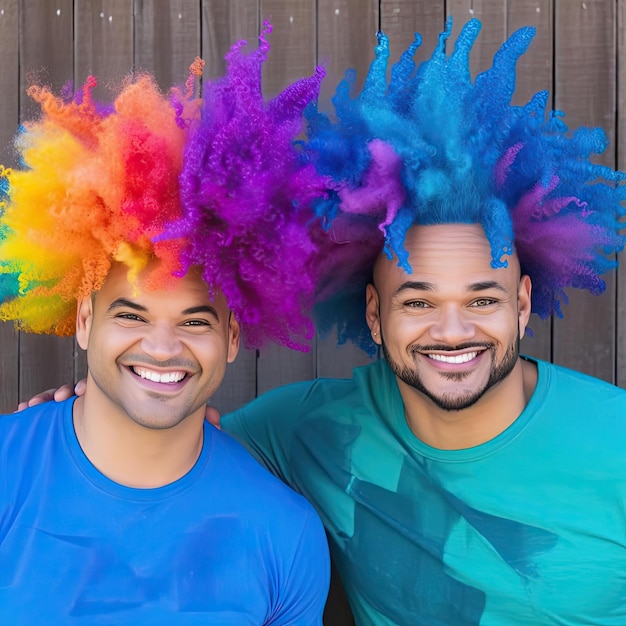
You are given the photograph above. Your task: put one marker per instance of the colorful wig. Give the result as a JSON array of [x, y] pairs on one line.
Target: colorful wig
[[246, 193], [431, 146], [95, 188], [216, 183]]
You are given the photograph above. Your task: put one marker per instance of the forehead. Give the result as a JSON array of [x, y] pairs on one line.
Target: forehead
[[177, 292], [446, 255]]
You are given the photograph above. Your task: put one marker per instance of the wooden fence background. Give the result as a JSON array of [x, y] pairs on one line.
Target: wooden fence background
[[578, 54]]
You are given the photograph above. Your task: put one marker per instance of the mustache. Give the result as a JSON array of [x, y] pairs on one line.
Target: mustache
[[142, 359], [414, 348]]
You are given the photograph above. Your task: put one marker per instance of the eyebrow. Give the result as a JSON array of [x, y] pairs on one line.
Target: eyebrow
[[203, 308], [419, 285]]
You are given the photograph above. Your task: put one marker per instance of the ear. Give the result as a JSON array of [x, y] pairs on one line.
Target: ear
[[372, 312], [84, 318], [234, 333], [524, 303]]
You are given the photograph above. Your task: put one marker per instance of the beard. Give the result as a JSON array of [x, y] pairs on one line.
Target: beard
[[498, 371]]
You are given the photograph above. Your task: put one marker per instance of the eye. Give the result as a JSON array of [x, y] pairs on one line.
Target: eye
[[417, 304], [197, 324], [483, 302], [130, 317]]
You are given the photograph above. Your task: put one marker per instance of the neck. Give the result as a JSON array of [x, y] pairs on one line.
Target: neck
[[493, 413], [130, 454]]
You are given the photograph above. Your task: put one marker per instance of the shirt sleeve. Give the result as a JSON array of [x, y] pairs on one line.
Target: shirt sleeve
[[266, 426], [303, 598]]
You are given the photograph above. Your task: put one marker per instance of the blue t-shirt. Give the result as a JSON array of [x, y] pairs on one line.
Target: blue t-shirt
[[526, 529], [225, 544]]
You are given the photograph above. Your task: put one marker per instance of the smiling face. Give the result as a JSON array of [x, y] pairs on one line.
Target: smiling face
[[451, 329], [155, 356]]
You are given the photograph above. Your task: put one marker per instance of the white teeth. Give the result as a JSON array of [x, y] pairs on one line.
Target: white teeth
[[169, 377], [459, 358]]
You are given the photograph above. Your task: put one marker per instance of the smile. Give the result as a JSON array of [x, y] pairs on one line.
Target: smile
[[454, 359], [156, 377]]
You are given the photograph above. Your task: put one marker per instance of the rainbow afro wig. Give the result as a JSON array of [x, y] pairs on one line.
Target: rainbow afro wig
[[431, 146], [214, 182]]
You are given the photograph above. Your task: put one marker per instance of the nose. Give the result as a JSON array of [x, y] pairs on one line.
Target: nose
[[161, 342], [452, 326]]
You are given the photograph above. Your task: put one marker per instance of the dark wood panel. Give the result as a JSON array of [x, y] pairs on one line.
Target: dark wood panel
[[167, 38], [620, 149], [534, 73], [9, 105], [585, 84], [103, 43], [293, 55], [46, 51], [223, 23], [400, 19], [492, 14], [293, 42], [346, 36]]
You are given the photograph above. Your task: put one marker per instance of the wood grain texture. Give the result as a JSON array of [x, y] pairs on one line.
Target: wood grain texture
[[400, 19], [585, 88], [293, 42], [9, 110], [103, 44], [46, 52], [346, 36], [492, 14], [293, 55], [534, 73], [167, 38], [223, 23]]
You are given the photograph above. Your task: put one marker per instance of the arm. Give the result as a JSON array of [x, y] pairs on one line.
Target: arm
[[302, 599]]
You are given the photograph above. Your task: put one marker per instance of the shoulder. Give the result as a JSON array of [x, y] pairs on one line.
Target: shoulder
[[39, 418], [247, 479], [567, 382]]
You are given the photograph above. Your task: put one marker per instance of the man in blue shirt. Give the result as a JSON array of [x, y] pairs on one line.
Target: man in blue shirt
[[125, 506]]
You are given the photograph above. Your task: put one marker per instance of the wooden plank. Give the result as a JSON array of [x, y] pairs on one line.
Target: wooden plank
[[103, 43], [167, 38], [46, 51], [346, 36], [534, 72], [492, 14], [620, 149], [293, 42], [223, 23], [293, 55], [9, 106], [400, 19], [585, 72]]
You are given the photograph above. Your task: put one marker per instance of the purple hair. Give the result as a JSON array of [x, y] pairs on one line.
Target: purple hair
[[246, 194]]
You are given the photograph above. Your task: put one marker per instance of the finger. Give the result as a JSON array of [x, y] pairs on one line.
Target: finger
[[80, 387], [63, 393], [212, 415]]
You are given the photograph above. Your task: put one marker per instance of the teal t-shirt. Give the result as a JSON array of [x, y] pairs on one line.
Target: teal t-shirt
[[528, 528]]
